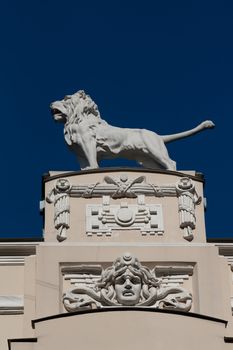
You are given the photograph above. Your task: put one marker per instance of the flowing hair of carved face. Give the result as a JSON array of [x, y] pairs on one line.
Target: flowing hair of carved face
[[127, 264]]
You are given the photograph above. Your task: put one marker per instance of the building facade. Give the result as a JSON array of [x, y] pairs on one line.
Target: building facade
[[124, 263]]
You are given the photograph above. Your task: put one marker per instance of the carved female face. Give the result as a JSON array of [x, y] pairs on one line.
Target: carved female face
[[128, 288]]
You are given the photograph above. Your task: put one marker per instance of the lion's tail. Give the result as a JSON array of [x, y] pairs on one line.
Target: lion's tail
[[207, 124]]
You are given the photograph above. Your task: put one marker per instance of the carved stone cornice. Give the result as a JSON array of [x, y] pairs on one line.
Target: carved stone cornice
[[18, 248]]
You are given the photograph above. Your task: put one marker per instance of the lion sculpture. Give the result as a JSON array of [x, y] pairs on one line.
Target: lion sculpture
[[93, 139]]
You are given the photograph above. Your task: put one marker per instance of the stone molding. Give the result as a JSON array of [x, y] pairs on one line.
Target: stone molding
[[11, 260], [17, 249], [13, 254], [11, 304]]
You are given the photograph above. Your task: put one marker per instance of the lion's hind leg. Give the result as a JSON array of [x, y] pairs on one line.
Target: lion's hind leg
[[83, 162], [172, 164], [165, 162], [152, 163], [149, 163], [156, 151]]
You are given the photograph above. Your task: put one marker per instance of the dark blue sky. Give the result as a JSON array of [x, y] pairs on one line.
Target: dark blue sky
[[160, 65]]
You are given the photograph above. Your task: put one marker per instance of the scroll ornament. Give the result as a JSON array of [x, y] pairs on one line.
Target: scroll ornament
[[128, 283]]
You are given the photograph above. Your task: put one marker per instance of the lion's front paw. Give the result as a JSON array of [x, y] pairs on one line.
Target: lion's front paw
[[89, 167]]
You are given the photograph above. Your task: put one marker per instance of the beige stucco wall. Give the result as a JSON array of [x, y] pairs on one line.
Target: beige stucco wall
[[29, 295], [11, 326], [129, 330], [211, 289], [14, 280], [41, 282], [12, 283]]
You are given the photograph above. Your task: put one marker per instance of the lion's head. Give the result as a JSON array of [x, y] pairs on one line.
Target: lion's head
[[75, 108]]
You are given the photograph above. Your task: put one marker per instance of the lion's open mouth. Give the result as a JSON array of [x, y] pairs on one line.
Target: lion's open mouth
[[58, 115], [56, 111]]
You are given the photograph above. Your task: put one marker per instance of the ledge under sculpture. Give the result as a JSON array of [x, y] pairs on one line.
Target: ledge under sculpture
[[128, 283], [93, 139]]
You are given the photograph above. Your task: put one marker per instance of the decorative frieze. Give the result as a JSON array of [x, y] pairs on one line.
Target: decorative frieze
[[121, 187], [126, 283], [103, 218]]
